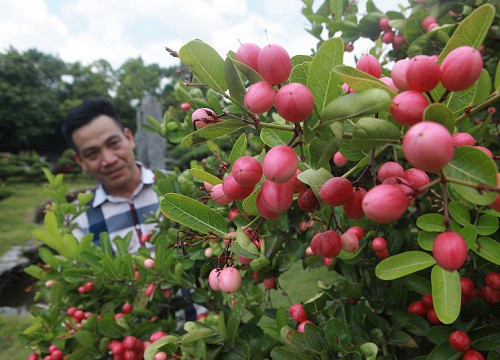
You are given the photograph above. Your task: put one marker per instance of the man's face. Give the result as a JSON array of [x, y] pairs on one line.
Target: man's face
[[107, 153]]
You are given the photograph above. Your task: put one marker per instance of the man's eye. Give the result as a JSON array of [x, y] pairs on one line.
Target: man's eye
[[115, 143]]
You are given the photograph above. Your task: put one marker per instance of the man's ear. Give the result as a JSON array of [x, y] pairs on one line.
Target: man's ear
[[78, 160], [130, 137]]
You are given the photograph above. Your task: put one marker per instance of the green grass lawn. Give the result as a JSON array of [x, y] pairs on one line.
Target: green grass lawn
[[10, 347]]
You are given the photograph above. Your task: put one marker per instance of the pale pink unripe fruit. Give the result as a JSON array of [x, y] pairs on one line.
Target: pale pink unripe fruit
[[384, 203], [399, 41], [160, 356], [390, 169], [353, 206], [248, 54], [408, 107], [274, 64], [327, 261], [302, 325], [264, 210], [157, 335], [280, 163], [427, 21], [203, 117], [422, 73], [336, 191], [219, 196], [277, 198], [209, 252], [347, 89], [235, 191], [417, 179], [350, 242], [309, 251], [213, 279], [400, 182], [463, 139], [398, 74], [428, 146], [388, 37], [185, 106], [449, 250], [384, 24], [297, 185], [356, 230], [461, 68], [149, 263], [49, 283], [339, 159], [432, 26], [259, 97], [294, 102], [388, 81], [208, 186], [330, 244], [247, 171], [229, 280], [379, 244], [150, 289], [485, 150], [370, 65]]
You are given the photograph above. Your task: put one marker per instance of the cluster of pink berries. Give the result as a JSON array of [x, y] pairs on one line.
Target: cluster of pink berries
[[54, 354], [227, 280], [328, 244], [489, 292], [425, 307], [389, 36], [298, 313], [78, 315], [379, 245], [429, 23], [88, 287], [131, 348]]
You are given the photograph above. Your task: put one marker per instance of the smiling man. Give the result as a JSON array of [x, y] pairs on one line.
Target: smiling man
[[124, 195]]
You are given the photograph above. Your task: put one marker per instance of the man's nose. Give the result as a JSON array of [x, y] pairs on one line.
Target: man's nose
[[108, 157]]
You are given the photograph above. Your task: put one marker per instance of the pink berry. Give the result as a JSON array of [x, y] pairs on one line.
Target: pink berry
[[428, 146], [388, 37], [302, 325], [384, 24], [247, 171], [307, 200], [432, 26], [213, 279], [274, 64], [315, 241], [384, 203], [208, 186], [298, 313], [417, 179], [417, 308], [427, 21], [347, 89], [349, 47], [248, 54], [370, 65], [70, 311], [157, 335], [145, 237], [432, 317], [277, 198], [149, 263], [379, 244], [463, 139], [459, 341], [466, 285], [422, 73], [353, 206], [492, 279], [219, 196], [339, 159], [408, 107], [489, 294], [461, 68], [485, 150], [280, 164], [350, 242], [336, 191], [259, 97], [398, 74], [398, 42], [185, 106], [235, 191], [297, 185], [356, 230], [390, 169], [33, 356], [449, 250], [244, 260], [327, 261], [229, 280], [269, 283], [263, 209], [150, 289], [400, 182], [126, 308], [203, 117], [389, 82], [472, 355], [330, 244], [160, 356], [294, 102], [427, 301], [49, 283]]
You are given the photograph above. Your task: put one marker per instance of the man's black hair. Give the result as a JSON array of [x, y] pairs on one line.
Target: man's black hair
[[84, 113]]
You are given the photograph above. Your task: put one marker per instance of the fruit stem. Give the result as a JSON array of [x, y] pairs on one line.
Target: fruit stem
[[275, 126], [251, 222], [445, 203], [430, 96], [445, 95], [479, 187], [429, 185], [495, 96], [360, 163], [368, 167]]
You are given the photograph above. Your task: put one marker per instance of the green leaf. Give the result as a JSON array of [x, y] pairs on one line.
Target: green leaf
[[487, 224], [431, 222], [474, 166], [417, 325], [497, 76], [315, 179], [153, 348], [90, 259], [371, 132], [336, 331], [400, 338], [275, 137], [469, 234], [439, 334], [36, 271], [204, 176], [483, 88], [418, 284], [403, 264], [250, 204], [336, 8], [77, 275], [360, 80], [369, 25], [281, 318], [325, 144], [300, 59], [252, 75], [426, 239], [111, 329], [459, 212], [441, 114], [322, 80], [282, 353], [459, 100], [299, 73], [205, 63], [234, 82], [485, 338], [471, 31], [213, 131], [197, 334], [444, 351], [69, 246], [370, 350], [239, 149], [193, 214], [488, 249], [446, 294], [244, 246]]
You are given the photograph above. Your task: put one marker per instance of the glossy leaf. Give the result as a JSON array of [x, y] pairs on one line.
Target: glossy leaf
[[426, 239], [234, 82], [469, 234], [444, 351], [204, 176], [213, 131], [239, 149], [337, 332], [458, 101], [400, 338], [282, 353], [196, 335], [418, 284], [483, 88], [274, 137], [360, 80], [370, 350], [193, 214], [244, 246], [300, 72], [485, 338], [487, 224], [446, 294], [371, 132], [252, 75], [431, 222], [403, 264], [488, 249], [153, 348], [325, 144], [459, 212], [315, 179], [440, 113], [250, 204], [300, 59]]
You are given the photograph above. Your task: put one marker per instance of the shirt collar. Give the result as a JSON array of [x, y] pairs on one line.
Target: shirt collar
[[147, 178]]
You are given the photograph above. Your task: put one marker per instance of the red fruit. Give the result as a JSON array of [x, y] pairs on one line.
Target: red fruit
[[472, 355], [463, 139], [235, 191], [263, 209], [229, 280], [370, 65], [459, 340], [294, 102], [78, 315], [57, 355], [201, 316], [160, 356], [390, 169], [353, 206], [259, 97], [427, 301], [417, 179], [432, 26], [247, 171], [52, 348], [48, 357], [398, 42], [492, 279], [274, 64], [432, 317], [339, 159], [466, 285], [428, 21], [302, 325], [428, 146], [384, 203], [280, 164], [388, 37], [489, 294], [379, 244], [350, 242], [461, 68], [150, 289], [208, 186], [384, 24], [145, 237], [384, 254], [307, 200], [408, 107], [126, 308], [298, 313], [449, 250], [297, 185], [356, 230], [149, 263], [219, 196], [349, 47], [347, 89], [157, 335], [277, 198], [336, 191], [81, 289], [315, 241], [269, 283], [248, 54], [233, 212], [417, 308], [327, 261], [388, 81], [129, 342], [32, 357], [213, 279], [185, 106], [330, 244], [422, 73], [71, 311], [203, 117], [118, 316], [398, 74], [129, 355]]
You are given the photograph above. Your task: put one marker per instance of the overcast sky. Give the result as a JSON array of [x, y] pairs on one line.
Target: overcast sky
[[116, 30]]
